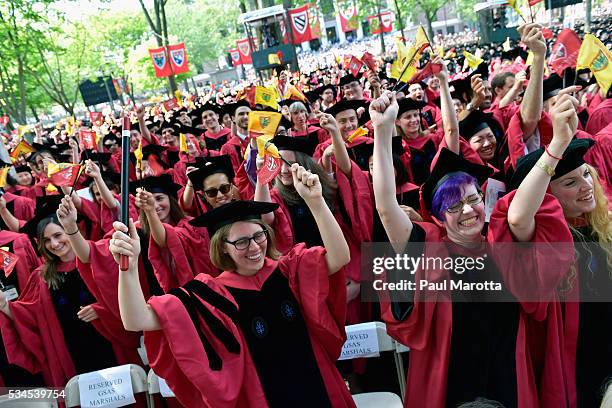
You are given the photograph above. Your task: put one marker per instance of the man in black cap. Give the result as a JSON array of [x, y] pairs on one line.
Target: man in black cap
[[237, 144], [215, 135], [328, 96]]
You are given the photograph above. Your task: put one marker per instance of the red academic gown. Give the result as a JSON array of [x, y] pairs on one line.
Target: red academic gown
[[22, 208], [235, 148], [214, 141], [599, 117], [34, 339], [540, 379], [176, 353], [185, 255]]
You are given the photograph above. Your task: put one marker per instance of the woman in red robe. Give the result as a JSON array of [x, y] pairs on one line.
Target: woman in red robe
[[463, 350], [57, 327], [267, 331], [586, 290]]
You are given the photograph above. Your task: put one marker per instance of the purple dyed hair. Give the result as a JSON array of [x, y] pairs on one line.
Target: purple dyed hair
[[449, 192]]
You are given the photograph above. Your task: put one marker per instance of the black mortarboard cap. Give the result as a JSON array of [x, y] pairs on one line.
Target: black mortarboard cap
[[231, 213], [408, 104], [573, 157], [46, 206], [211, 165], [231, 107], [209, 107], [448, 163], [474, 123], [297, 144], [21, 169], [322, 89], [460, 89], [347, 79], [312, 96], [551, 86], [345, 104], [156, 184], [98, 157]]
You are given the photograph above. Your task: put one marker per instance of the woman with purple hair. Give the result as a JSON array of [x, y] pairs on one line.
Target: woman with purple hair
[[481, 342]]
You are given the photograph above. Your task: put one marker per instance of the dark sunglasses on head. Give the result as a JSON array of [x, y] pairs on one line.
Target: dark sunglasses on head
[[223, 188]]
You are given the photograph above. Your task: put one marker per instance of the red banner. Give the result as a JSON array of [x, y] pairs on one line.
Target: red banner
[[348, 15], [4, 120], [313, 21], [235, 56], [244, 48], [354, 66], [64, 174], [283, 28], [387, 23], [178, 58], [564, 51], [170, 104], [300, 24], [96, 118], [88, 139], [160, 62], [269, 170], [9, 261]]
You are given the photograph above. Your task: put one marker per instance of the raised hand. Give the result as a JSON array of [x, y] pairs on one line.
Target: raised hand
[[145, 200], [67, 215], [478, 90], [92, 169], [306, 183], [328, 122], [565, 120], [123, 244], [383, 110], [531, 35]]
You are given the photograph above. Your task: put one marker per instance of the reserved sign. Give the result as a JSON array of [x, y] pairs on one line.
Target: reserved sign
[[108, 388], [361, 341]]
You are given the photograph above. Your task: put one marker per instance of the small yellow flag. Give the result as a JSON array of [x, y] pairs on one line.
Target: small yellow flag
[[273, 59], [529, 59], [295, 94], [51, 188], [182, 143], [357, 134], [514, 6], [178, 97], [421, 41], [472, 60], [22, 148], [263, 123], [266, 97], [138, 154], [3, 173], [266, 147], [595, 56]]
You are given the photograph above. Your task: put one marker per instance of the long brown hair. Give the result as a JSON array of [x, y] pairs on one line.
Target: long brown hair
[[175, 215], [49, 268], [328, 185]]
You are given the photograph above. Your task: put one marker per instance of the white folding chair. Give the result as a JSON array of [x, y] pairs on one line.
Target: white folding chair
[[385, 343], [153, 387], [9, 402], [137, 375], [399, 365]]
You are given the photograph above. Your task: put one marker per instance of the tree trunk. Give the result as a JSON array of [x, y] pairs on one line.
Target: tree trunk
[[22, 92], [382, 29], [399, 19], [171, 78], [34, 113], [429, 27]]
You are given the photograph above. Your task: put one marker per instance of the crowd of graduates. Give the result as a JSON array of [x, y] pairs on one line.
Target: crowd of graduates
[[244, 244]]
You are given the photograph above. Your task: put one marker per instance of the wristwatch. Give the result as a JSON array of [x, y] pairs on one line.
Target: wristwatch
[[469, 107]]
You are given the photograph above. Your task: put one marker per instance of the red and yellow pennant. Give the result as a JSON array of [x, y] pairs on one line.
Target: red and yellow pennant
[[22, 148], [359, 132], [63, 174]]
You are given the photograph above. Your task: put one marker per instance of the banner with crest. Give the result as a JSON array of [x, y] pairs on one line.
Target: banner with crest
[[300, 24], [348, 15], [178, 58], [313, 19], [235, 56], [160, 62], [387, 23], [244, 48]]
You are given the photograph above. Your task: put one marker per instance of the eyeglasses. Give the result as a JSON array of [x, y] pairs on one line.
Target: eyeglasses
[[243, 243], [223, 188], [472, 201]]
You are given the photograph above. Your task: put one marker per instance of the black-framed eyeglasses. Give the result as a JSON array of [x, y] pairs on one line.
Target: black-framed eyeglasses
[[243, 243], [472, 201], [223, 188]]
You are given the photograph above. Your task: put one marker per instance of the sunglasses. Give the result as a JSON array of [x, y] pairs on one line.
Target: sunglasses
[[223, 188]]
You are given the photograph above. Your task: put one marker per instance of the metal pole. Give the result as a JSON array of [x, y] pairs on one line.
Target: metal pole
[[587, 17], [125, 181], [288, 26], [108, 93]]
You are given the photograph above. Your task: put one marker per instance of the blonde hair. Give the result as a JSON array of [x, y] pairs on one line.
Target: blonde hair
[[223, 260], [599, 221]]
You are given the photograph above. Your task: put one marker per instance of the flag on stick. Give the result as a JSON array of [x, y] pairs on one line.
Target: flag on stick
[[595, 56], [9, 260], [63, 174]]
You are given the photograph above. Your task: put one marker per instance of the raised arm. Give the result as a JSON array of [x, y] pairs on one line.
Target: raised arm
[[309, 188], [93, 171], [144, 131], [478, 96], [136, 315], [530, 194], [397, 224], [189, 192], [67, 216], [343, 161], [9, 219], [262, 193], [449, 117], [531, 107], [146, 202], [516, 89]]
